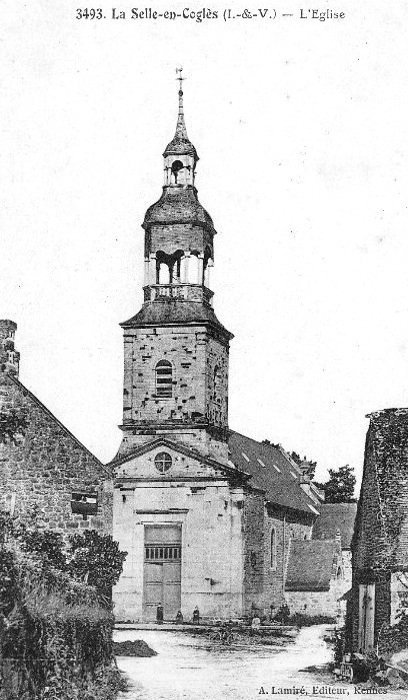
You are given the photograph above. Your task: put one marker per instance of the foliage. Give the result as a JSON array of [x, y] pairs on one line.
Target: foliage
[[96, 559], [8, 576], [339, 643], [340, 486], [283, 614], [268, 442], [302, 620], [47, 544], [12, 424], [393, 638], [56, 627]]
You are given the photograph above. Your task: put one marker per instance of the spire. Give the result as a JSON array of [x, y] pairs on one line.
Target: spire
[[181, 131], [180, 144]]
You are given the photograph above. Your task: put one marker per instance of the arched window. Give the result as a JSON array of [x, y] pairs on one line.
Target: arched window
[[273, 549], [164, 379], [176, 166]]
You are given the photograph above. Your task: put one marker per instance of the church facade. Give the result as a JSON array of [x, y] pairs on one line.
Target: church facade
[[206, 515]]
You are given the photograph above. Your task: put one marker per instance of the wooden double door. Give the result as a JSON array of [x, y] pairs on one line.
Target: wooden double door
[[162, 571]]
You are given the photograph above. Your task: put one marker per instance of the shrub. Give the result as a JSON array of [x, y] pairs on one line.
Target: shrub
[[283, 614], [55, 625], [303, 620], [96, 559]]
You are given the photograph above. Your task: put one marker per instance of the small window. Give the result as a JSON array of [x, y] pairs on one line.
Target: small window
[[164, 379], [84, 503], [163, 462], [273, 549]]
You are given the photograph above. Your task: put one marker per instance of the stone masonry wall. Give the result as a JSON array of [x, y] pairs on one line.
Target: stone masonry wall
[[48, 465], [193, 356], [287, 527], [254, 550], [264, 584], [380, 543], [314, 602]]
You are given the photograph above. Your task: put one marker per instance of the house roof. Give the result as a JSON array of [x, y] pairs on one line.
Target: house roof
[[311, 565], [334, 517], [272, 471]]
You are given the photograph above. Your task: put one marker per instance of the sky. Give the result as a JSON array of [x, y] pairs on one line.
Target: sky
[[302, 131]]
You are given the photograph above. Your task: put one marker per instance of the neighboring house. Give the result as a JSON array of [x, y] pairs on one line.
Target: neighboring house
[[45, 470], [319, 572], [380, 541], [206, 514], [338, 519], [314, 578]]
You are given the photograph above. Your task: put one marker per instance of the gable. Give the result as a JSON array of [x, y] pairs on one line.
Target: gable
[[45, 434], [164, 460], [46, 470]]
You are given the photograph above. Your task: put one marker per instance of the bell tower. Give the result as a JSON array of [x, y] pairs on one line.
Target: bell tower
[[176, 350]]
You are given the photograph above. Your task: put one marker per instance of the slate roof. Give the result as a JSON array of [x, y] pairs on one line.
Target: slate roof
[[168, 311], [180, 145], [333, 517], [178, 205], [311, 565], [272, 471]]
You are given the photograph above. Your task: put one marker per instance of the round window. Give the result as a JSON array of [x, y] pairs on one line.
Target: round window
[[163, 462]]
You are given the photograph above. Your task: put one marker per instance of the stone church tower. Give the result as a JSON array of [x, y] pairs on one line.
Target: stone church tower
[[176, 350], [173, 486], [205, 514]]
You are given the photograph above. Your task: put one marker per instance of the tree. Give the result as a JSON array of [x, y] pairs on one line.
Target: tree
[[340, 486], [96, 559]]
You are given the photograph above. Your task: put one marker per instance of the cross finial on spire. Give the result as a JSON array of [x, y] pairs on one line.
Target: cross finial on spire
[[180, 144], [181, 127], [180, 78]]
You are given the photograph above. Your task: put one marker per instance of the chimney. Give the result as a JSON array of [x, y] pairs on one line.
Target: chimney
[[9, 357]]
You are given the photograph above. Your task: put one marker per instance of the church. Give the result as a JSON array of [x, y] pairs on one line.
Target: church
[[207, 515]]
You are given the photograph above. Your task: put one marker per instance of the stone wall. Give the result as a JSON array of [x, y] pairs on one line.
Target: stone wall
[[193, 356], [200, 389], [210, 515], [313, 603], [264, 583], [288, 526], [380, 543], [47, 466], [254, 538]]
